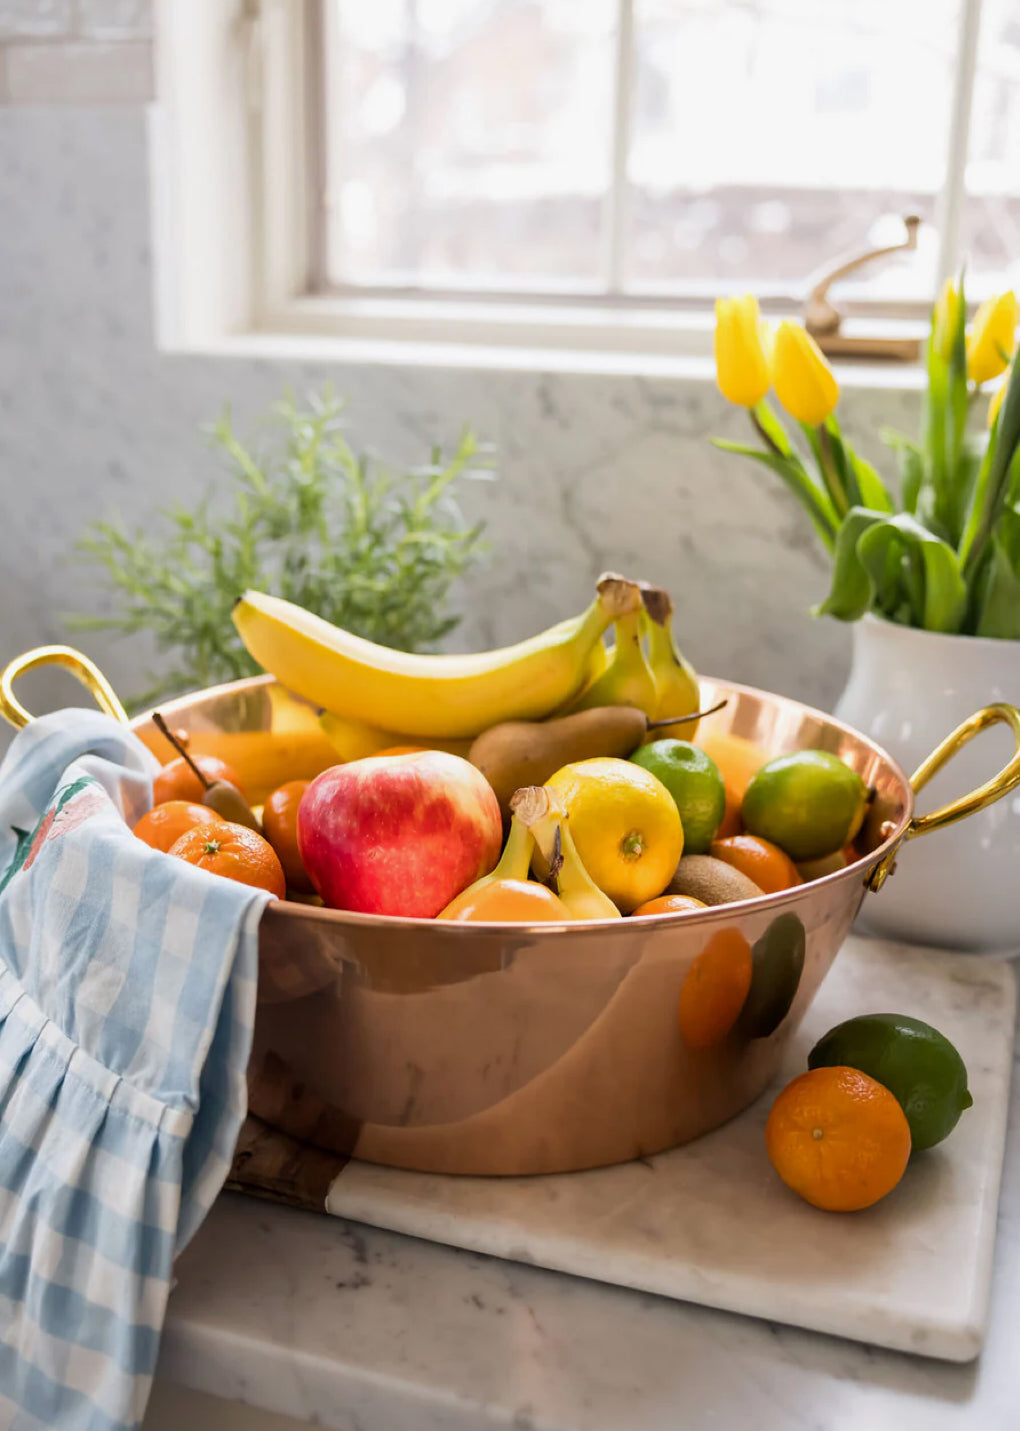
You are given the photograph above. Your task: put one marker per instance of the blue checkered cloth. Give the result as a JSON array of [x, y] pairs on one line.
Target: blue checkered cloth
[[127, 997]]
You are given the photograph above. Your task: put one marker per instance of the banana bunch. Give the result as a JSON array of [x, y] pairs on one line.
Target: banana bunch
[[644, 668], [372, 698]]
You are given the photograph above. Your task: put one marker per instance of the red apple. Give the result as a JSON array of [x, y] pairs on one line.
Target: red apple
[[398, 834]]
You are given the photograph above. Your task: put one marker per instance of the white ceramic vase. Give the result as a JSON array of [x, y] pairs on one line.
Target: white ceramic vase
[[960, 886]]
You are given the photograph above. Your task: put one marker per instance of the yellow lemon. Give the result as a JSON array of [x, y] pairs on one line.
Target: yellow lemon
[[625, 825]]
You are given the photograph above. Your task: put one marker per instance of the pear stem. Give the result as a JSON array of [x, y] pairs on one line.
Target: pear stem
[[694, 715], [164, 729]]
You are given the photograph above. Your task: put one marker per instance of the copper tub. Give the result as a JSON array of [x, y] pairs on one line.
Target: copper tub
[[510, 1049]]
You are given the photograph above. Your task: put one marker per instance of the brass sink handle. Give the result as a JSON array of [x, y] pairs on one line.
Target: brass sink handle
[[1001, 784], [84, 670]]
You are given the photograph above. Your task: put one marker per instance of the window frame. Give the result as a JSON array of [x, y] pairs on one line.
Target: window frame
[[238, 189]]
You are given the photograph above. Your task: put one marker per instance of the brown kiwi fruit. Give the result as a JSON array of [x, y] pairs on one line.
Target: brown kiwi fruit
[[712, 881]]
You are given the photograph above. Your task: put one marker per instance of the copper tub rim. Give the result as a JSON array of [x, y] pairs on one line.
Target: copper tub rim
[[289, 908]]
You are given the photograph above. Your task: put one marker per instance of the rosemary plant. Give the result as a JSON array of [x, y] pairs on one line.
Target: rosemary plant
[[311, 520]]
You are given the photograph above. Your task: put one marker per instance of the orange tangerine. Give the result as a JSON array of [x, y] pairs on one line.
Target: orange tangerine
[[838, 1138], [731, 823], [177, 781], [670, 904], [279, 824], [235, 852], [164, 825], [509, 901], [764, 863]]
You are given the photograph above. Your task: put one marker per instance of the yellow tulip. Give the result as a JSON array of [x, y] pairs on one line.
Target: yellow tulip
[[945, 319], [804, 382], [741, 363], [991, 340], [995, 404]]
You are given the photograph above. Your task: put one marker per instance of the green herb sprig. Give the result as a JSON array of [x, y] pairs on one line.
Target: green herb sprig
[[373, 551]]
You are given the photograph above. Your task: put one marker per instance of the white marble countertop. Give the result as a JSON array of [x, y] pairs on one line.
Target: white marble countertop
[[339, 1325]]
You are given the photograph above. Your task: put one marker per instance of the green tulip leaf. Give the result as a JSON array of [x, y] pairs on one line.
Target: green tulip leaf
[[852, 590], [911, 463], [895, 565], [998, 587], [930, 570]]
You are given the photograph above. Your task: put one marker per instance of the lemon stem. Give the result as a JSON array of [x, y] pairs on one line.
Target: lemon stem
[[633, 845]]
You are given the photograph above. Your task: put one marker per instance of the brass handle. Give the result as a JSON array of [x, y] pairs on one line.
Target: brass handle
[[999, 785], [84, 670]]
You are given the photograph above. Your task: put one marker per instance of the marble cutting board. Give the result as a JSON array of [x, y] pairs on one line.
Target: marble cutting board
[[711, 1222]]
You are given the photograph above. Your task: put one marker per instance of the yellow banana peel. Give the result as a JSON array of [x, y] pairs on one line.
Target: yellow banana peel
[[444, 696]]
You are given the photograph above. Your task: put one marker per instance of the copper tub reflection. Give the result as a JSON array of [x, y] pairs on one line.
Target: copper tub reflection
[[504, 1049]]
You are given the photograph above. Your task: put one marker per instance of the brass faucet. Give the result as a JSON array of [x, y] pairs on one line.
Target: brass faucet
[[823, 320]]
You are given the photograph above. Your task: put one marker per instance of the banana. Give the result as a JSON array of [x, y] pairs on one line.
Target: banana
[[354, 740], [676, 685], [445, 696], [627, 679], [544, 818]]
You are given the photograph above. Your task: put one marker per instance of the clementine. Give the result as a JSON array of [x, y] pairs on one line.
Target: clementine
[[279, 824], [670, 904], [764, 863], [235, 852], [177, 781], [838, 1138], [164, 825], [510, 901]]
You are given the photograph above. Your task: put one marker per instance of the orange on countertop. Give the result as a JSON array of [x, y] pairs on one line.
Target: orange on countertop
[[235, 852], [279, 824], [838, 1138], [164, 824], [177, 781], [764, 863]]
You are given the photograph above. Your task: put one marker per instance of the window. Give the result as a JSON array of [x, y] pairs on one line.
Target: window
[[595, 169]]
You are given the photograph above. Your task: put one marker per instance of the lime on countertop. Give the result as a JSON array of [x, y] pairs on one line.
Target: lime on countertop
[[910, 1058]]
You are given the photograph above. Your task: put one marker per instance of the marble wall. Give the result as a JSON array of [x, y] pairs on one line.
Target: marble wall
[[594, 472]]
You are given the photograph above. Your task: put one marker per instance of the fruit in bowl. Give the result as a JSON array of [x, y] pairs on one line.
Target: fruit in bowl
[[398, 834]]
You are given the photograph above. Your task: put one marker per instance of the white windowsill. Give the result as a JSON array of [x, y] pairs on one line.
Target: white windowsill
[[416, 353]]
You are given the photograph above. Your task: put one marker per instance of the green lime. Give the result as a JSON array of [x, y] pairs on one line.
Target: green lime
[[693, 780], [915, 1062], [809, 804]]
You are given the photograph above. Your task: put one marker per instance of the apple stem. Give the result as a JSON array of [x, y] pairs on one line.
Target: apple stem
[[164, 729]]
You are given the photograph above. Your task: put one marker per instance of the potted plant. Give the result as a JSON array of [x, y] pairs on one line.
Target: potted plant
[[927, 566]]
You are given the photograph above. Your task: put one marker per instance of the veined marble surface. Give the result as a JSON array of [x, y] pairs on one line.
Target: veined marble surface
[[594, 472], [336, 1324]]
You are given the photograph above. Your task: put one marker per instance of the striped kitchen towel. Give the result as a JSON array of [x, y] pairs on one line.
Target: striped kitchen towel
[[127, 996]]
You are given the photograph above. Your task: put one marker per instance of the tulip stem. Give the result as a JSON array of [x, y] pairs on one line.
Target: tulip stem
[[830, 476], [788, 465], [765, 435]]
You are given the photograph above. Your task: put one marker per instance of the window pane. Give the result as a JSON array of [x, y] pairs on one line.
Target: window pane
[[992, 216], [469, 141], [771, 136]]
